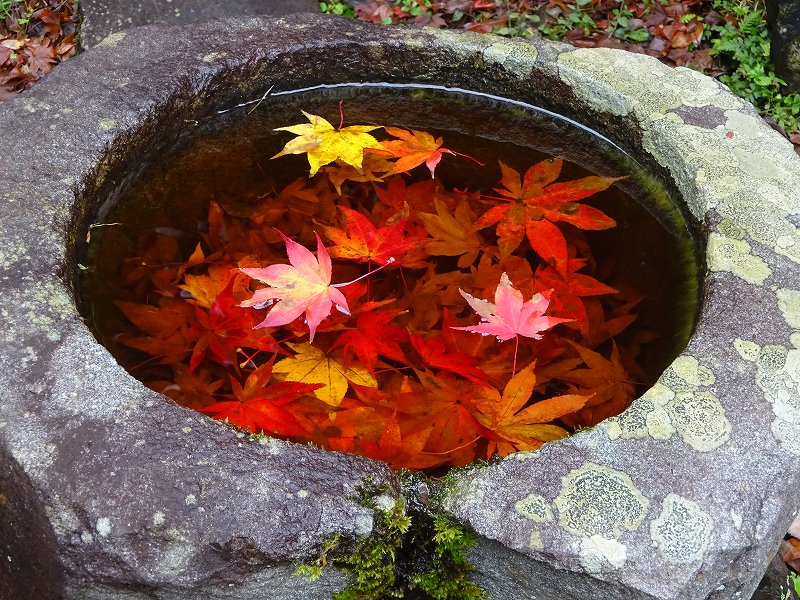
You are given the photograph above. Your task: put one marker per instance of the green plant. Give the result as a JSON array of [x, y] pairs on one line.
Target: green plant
[[567, 22], [745, 44], [619, 26], [410, 551], [520, 24], [414, 8], [5, 7], [337, 8], [448, 574]]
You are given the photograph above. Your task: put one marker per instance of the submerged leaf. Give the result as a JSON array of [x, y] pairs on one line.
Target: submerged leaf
[[314, 366]]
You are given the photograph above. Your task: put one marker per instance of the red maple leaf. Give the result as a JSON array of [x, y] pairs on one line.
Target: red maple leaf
[[373, 336], [259, 405], [228, 330], [433, 352], [569, 287], [362, 241]]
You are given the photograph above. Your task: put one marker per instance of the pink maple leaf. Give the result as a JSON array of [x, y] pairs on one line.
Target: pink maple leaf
[[510, 316], [303, 286]]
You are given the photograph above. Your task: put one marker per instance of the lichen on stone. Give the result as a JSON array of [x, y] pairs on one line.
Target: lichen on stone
[[535, 507], [789, 304], [517, 58], [778, 377], [700, 420], [677, 404], [601, 555], [599, 500], [682, 531], [735, 256]]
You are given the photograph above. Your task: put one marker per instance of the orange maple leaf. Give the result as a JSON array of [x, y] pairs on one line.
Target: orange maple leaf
[[412, 148], [516, 426], [362, 241], [606, 379]]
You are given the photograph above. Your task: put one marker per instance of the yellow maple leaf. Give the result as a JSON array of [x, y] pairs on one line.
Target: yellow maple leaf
[[312, 365], [454, 235], [324, 144]]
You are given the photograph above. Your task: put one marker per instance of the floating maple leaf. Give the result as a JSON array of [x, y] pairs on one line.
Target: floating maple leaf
[[304, 286], [412, 148], [324, 144], [510, 317]]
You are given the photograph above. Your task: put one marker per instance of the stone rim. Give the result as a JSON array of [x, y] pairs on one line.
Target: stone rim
[[734, 168]]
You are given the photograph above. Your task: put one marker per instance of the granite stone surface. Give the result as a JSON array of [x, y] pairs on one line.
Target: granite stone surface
[[101, 18]]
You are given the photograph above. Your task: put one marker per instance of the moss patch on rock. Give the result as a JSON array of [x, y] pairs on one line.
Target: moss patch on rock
[[411, 552]]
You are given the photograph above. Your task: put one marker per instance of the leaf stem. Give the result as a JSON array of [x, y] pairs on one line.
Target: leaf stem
[[367, 274], [516, 347]]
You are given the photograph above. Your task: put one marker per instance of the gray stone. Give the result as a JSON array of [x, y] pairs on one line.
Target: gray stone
[[28, 562], [777, 583], [683, 496], [784, 23], [101, 18]]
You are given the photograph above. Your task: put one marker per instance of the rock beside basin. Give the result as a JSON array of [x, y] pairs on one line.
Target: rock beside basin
[[101, 18]]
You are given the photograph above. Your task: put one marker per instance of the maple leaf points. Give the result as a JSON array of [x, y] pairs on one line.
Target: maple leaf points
[[324, 144], [509, 316], [303, 286]]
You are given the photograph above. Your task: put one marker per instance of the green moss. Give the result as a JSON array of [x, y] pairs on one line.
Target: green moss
[[448, 575], [412, 552]]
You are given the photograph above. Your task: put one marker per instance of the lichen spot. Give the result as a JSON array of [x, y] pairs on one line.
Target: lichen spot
[[103, 526], [598, 500], [734, 256], [107, 124], [646, 417], [601, 555], [158, 519], [747, 350], [515, 58], [112, 40], [536, 542], [682, 531], [212, 56], [692, 372], [536, 508], [700, 420]]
